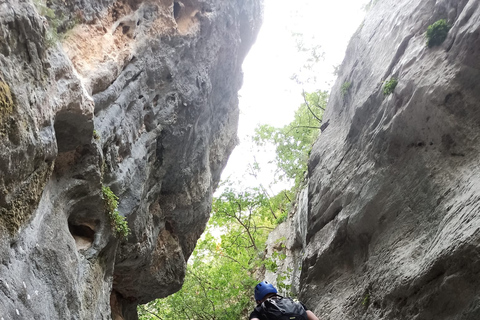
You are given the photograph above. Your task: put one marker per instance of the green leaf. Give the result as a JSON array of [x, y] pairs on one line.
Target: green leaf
[[294, 141]]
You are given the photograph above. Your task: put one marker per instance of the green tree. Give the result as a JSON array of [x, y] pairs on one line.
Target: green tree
[[278, 204], [221, 272], [294, 141]]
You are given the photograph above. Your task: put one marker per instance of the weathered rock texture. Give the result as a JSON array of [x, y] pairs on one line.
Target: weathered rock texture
[[285, 245], [392, 229], [140, 96]]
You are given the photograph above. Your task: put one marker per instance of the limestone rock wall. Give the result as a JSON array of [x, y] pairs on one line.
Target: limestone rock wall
[[391, 223], [286, 246], [139, 96], [394, 191]]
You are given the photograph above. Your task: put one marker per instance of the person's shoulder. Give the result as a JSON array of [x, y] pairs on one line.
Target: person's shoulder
[[303, 305], [255, 314]]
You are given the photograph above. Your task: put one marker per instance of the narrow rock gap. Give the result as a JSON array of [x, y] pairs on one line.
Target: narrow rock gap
[[176, 9]]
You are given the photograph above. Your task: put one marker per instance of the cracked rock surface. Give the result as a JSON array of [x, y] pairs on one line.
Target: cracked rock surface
[[394, 191], [139, 96], [391, 226]]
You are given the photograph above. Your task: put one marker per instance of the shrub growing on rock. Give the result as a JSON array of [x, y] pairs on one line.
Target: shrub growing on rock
[[119, 224], [389, 86], [437, 33], [345, 88]]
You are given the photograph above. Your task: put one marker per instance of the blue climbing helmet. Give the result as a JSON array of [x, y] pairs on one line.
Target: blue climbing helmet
[[262, 289]]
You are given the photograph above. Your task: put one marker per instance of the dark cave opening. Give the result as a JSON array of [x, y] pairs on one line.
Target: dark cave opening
[[176, 9], [83, 235]]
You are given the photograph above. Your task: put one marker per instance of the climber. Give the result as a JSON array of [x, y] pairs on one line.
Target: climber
[[271, 306]]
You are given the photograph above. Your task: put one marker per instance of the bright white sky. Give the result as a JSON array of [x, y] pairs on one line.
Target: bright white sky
[[268, 95]]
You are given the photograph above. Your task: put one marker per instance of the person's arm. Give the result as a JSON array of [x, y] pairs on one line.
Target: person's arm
[[311, 315], [254, 315]]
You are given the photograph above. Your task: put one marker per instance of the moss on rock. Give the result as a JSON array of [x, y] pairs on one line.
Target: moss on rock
[[24, 200], [6, 109], [6, 101]]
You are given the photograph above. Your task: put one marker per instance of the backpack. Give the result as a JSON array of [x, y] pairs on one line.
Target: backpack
[[282, 308]]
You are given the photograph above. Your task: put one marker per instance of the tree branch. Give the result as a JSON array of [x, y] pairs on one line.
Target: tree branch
[[244, 226], [205, 294], [305, 99], [269, 204], [306, 127], [153, 314]]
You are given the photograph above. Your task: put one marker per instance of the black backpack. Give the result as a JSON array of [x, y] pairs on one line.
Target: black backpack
[[282, 308]]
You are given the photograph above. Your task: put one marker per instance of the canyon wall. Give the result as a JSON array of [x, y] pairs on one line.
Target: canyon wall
[[136, 97], [390, 228]]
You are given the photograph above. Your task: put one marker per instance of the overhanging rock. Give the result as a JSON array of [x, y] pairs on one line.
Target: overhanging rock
[[137, 96]]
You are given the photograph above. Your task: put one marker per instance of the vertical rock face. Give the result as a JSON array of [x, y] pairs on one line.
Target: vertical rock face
[[393, 230], [289, 239], [139, 96]]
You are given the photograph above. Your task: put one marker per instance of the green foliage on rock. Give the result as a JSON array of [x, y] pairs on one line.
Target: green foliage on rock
[[119, 224], [389, 86], [345, 87], [44, 10], [282, 217], [58, 24], [52, 35], [437, 33], [366, 301]]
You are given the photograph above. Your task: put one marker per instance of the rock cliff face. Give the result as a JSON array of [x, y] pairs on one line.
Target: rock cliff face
[[392, 224], [138, 96]]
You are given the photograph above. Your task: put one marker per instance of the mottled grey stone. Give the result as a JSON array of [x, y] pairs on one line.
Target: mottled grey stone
[[393, 230], [121, 94]]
